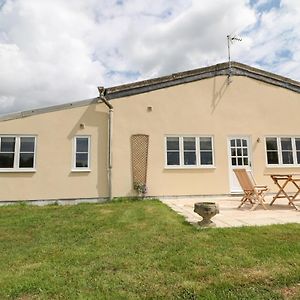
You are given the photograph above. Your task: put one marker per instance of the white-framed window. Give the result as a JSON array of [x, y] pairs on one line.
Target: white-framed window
[[189, 151], [81, 156], [17, 153], [282, 150]]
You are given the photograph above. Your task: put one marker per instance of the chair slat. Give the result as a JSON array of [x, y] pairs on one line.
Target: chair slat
[[252, 192]]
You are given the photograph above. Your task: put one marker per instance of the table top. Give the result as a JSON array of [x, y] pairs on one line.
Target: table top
[[284, 175], [288, 177]]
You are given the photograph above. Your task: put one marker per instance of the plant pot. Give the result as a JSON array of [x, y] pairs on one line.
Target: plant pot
[[206, 210]]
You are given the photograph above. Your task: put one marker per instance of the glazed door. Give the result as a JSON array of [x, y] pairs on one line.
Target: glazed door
[[239, 157]]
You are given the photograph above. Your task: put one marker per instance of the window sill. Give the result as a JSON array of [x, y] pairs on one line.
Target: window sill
[[81, 170], [17, 170], [282, 166], [189, 167]]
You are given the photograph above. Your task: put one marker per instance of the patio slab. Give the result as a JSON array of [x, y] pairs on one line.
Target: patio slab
[[230, 216]]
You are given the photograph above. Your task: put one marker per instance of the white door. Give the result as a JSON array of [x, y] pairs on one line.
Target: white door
[[239, 157]]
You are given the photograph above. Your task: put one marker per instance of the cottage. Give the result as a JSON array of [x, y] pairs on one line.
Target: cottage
[[180, 135]]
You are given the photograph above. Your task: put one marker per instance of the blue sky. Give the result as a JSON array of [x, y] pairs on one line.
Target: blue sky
[[57, 51], [264, 6]]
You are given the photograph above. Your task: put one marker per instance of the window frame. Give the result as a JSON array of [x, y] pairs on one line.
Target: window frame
[[198, 164], [279, 149], [81, 169], [16, 164]]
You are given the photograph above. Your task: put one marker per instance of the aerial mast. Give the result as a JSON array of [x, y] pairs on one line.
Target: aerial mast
[[230, 40]]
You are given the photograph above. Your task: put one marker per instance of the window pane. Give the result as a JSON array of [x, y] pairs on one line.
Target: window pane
[[238, 142], [245, 143], [206, 158], [298, 157], [297, 144], [286, 143], [239, 152], [172, 143], [82, 145], [233, 161], [272, 157], [233, 152], [232, 143], [173, 158], [27, 144], [189, 143], [287, 157], [81, 160], [245, 161], [240, 161], [26, 160], [7, 160], [7, 144], [271, 143], [245, 151], [190, 158], [205, 143]]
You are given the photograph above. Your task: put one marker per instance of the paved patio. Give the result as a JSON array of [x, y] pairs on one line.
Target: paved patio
[[230, 216]]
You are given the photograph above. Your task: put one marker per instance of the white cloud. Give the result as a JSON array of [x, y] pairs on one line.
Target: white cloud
[[275, 43], [194, 38], [56, 51], [45, 54]]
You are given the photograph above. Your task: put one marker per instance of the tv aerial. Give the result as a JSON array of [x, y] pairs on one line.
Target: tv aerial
[[230, 40]]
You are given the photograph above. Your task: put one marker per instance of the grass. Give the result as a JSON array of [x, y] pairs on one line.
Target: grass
[[141, 250]]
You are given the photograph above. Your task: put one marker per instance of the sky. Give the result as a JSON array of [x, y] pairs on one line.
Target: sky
[[59, 51]]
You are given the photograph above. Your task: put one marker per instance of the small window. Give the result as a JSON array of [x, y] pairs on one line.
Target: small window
[[82, 153], [26, 159], [17, 153], [272, 150], [283, 150], [189, 151], [206, 151], [173, 153], [287, 151], [7, 152], [297, 144]]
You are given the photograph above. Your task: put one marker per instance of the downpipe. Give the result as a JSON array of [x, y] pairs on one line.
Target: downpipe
[[102, 92]]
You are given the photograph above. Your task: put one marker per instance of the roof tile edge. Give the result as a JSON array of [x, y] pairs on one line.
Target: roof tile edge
[[31, 112], [238, 69]]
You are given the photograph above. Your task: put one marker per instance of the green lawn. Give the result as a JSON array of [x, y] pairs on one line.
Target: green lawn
[[141, 250]]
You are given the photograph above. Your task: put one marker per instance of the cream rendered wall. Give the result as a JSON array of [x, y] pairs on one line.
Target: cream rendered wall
[[246, 107], [53, 178], [208, 107]]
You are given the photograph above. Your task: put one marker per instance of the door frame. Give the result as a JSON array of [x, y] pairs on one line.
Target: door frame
[[230, 169]]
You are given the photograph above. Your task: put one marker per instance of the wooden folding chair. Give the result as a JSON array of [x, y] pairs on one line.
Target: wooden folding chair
[[252, 192]]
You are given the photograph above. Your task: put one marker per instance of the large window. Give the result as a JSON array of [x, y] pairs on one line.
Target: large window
[[189, 151], [283, 150], [81, 153], [17, 153]]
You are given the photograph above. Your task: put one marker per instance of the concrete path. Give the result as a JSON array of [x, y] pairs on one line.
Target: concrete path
[[230, 216]]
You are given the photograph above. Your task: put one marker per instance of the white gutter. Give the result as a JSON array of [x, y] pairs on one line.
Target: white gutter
[[102, 92]]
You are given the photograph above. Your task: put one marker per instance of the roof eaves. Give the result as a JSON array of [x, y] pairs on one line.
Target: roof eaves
[[237, 69], [27, 113]]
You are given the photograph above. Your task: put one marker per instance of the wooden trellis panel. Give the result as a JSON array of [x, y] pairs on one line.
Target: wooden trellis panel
[[139, 157]]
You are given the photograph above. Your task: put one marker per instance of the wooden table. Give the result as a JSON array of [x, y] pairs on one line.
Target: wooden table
[[282, 181]]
